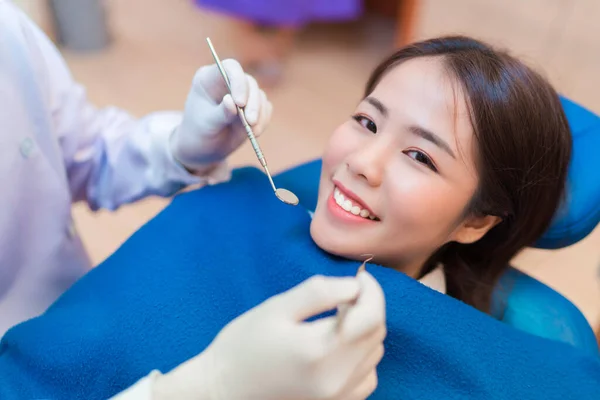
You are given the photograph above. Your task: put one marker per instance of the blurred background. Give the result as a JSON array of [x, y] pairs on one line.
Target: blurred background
[[314, 60]]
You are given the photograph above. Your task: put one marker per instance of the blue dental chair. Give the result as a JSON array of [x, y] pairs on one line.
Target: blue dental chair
[[520, 300]]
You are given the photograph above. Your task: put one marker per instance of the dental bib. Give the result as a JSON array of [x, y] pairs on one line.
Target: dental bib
[[213, 254]]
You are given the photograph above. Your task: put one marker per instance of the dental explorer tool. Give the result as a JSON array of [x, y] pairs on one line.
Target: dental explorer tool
[[343, 308]]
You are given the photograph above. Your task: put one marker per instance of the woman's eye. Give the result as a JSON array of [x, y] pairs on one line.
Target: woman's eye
[[421, 157], [366, 122]]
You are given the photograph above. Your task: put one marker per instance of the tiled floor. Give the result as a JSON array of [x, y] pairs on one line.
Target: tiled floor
[[159, 44]]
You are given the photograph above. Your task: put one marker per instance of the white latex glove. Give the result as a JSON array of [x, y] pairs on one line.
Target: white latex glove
[[269, 353], [210, 129]]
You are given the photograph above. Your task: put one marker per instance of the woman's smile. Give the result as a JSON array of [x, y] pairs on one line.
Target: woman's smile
[[346, 209]]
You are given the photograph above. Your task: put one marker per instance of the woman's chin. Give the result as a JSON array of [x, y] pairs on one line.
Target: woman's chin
[[334, 243]]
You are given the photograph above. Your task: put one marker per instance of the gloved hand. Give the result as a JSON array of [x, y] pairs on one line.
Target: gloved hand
[[269, 353], [210, 129]]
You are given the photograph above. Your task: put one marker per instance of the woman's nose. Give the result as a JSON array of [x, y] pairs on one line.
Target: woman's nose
[[369, 162]]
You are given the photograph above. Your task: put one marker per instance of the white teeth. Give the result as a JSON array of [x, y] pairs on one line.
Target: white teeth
[[349, 206]]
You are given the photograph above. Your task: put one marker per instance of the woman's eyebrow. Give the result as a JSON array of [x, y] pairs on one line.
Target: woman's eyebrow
[[417, 130], [378, 105], [432, 137]]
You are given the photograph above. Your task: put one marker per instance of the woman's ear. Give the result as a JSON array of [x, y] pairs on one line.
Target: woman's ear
[[474, 228]]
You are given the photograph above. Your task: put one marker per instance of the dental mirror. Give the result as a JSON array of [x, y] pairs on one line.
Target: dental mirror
[[284, 195]]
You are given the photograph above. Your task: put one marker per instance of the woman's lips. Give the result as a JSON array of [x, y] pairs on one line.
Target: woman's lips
[[345, 209]]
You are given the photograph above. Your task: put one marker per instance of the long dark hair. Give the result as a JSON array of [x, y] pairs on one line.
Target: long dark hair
[[523, 152]]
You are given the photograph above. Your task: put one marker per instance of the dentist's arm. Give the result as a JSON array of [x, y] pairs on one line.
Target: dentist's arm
[[270, 353], [112, 158]]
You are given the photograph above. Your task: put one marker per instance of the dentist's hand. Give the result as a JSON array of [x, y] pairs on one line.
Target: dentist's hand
[[210, 129], [270, 353]]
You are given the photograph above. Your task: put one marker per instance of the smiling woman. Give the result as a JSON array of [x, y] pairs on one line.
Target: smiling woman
[[460, 151], [455, 159]]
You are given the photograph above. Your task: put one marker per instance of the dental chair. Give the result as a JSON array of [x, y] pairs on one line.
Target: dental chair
[[520, 300]]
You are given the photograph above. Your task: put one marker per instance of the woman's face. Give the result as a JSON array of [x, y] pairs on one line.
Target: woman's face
[[398, 175]]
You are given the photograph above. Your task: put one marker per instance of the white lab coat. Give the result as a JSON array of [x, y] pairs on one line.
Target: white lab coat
[[55, 149]]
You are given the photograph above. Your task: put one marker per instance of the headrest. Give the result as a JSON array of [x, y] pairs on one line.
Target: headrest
[[581, 212], [575, 220]]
